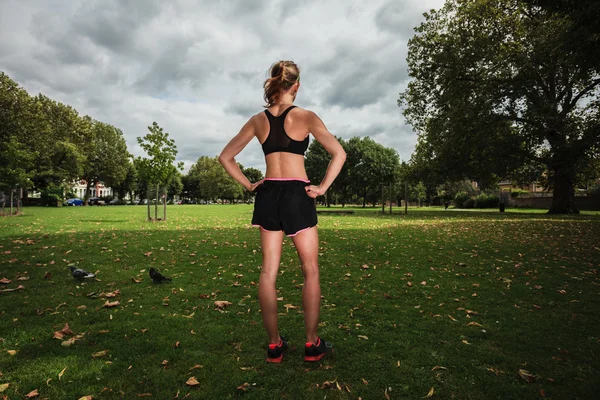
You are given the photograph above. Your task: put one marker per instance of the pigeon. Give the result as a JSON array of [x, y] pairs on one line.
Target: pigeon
[[80, 274], [157, 277]]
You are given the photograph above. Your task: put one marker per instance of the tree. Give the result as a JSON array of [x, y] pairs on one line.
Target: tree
[[16, 159], [129, 184], [370, 164], [502, 84], [254, 175], [207, 180], [107, 158], [157, 168]]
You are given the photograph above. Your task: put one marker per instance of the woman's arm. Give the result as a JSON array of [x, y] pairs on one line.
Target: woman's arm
[[333, 147], [233, 148]]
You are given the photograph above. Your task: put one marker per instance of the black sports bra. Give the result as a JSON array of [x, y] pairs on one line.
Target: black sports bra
[[278, 140]]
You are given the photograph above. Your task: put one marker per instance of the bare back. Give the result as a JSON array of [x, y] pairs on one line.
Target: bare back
[[296, 125]]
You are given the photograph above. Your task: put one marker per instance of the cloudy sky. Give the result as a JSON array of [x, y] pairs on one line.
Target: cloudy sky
[[197, 66]]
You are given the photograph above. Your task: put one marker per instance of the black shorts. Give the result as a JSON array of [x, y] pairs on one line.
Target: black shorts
[[283, 205]]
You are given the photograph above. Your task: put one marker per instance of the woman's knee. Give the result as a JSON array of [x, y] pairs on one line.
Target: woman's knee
[[310, 270]]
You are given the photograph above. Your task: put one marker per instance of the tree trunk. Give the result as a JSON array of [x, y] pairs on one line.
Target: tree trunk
[[563, 197], [12, 191], [148, 204], [328, 198], [156, 205], [19, 195], [364, 198], [165, 208], [86, 196]]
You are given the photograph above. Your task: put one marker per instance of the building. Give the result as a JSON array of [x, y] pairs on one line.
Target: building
[[99, 190]]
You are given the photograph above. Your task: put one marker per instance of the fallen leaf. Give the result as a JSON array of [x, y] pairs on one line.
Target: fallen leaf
[[365, 266], [197, 366], [5, 281], [11, 352], [363, 337], [527, 376], [86, 398], [135, 280], [429, 394], [3, 387], [452, 318], [244, 386], [366, 382], [474, 324], [32, 394], [222, 304], [100, 354], [61, 373], [192, 381], [424, 283], [465, 342], [438, 367], [110, 304]]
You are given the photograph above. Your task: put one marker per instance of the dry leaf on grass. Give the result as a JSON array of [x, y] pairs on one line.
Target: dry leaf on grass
[[221, 304], [3, 387], [431, 391], [86, 398], [61, 373], [110, 304], [527, 376], [438, 367], [32, 394], [100, 354], [192, 381]]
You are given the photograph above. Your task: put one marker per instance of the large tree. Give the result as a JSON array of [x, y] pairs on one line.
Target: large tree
[[498, 85], [107, 158]]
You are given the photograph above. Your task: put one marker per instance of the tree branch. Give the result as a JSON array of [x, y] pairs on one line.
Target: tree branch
[[573, 103]]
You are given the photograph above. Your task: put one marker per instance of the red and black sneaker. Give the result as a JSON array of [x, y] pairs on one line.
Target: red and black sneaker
[[315, 352], [275, 351]]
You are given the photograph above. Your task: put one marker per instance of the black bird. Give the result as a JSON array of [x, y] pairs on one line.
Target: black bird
[[157, 277], [80, 274]]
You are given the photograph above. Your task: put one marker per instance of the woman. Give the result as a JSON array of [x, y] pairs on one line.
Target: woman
[[284, 201]]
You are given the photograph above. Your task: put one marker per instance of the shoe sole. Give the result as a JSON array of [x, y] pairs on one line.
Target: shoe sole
[[275, 360], [316, 358]]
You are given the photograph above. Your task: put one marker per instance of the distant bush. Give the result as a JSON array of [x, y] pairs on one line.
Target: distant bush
[[518, 192], [469, 203], [486, 201], [460, 198]]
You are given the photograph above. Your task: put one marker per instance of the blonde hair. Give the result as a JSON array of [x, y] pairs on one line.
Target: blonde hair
[[283, 75]]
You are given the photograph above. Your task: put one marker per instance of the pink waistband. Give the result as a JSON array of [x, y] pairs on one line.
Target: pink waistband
[[287, 179]]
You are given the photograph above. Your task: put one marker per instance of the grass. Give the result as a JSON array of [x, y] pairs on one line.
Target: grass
[[454, 301]]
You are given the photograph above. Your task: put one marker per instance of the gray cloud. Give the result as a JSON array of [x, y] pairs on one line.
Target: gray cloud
[[197, 66]]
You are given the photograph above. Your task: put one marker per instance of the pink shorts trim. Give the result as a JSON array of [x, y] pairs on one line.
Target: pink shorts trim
[[290, 235], [301, 230], [287, 179]]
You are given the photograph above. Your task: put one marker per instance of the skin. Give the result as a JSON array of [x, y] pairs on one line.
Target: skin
[[298, 124]]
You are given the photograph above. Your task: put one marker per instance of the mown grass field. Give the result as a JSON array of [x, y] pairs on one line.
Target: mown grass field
[[443, 303]]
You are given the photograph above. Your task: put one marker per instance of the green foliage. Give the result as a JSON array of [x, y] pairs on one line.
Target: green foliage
[[53, 195], [208, 180], [368, 165], [500, 85], [460, 198], [486, 201]]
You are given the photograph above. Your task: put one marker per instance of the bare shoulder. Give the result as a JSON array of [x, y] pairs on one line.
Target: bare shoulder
[[308, 116]]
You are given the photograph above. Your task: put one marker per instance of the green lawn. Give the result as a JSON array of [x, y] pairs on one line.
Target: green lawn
[[453, 301]]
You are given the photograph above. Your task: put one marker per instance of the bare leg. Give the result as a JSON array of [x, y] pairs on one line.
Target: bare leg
[[270, 242], [307, 246]]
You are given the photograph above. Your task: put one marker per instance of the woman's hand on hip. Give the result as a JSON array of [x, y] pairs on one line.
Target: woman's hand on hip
[[254, 185], [314, 191]]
